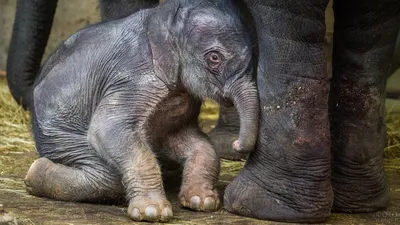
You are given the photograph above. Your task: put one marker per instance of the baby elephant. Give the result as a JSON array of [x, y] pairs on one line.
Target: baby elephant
[[118, 98]]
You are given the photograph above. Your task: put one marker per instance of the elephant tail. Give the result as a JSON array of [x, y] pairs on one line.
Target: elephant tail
[[32, 25]]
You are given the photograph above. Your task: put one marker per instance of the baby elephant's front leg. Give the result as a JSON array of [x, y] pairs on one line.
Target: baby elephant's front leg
[[145, 191], [201, 169], [141, 175]]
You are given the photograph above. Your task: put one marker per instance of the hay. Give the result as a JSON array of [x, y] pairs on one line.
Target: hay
[[14, 123], [208, 116], [17, 150], [392, 149], [2, 73], [231, 167]]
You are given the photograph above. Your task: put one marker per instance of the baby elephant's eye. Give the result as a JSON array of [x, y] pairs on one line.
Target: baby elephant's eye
[[214, 60]]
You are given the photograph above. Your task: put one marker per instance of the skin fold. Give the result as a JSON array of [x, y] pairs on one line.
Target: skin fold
[[320, 141], [119, 99]]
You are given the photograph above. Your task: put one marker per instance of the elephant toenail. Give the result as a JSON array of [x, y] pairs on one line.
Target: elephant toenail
[[195, 202], [166, 213], [209, 204], [135, 214], [151, 212]]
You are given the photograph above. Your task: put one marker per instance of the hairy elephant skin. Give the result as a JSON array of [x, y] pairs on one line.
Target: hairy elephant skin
[[118, 97]]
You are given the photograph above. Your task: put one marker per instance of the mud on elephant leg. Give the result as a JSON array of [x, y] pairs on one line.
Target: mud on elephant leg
[[364, 39], [225, 133], [287, 177]]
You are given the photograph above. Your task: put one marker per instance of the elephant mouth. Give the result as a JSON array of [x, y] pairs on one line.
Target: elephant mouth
[[227, 102], [222, 100]]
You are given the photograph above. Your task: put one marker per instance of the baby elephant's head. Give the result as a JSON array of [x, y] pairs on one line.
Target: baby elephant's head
[[202, 46]]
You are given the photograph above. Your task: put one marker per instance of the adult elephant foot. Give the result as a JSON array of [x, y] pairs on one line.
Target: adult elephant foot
[[225, 133], [287, 177], [361, 56]]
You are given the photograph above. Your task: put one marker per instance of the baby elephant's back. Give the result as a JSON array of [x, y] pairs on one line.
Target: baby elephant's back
[[74, 79]]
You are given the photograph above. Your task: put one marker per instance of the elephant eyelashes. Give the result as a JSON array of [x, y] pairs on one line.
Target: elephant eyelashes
[[214, 60]]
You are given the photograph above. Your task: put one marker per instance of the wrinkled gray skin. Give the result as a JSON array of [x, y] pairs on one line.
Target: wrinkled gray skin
[[118, 98], [320, 145]]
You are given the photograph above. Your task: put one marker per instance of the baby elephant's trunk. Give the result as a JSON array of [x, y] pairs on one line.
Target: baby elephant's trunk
[[245, 98]]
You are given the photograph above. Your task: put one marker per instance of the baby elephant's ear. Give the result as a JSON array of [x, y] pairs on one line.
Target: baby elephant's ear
[[163, 43]]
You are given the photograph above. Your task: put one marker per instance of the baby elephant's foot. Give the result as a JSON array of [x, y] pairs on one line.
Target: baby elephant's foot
[[153, 207], [199, 198], [35, 178]]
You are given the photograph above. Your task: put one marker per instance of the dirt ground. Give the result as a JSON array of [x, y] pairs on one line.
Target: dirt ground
[[33, 210]]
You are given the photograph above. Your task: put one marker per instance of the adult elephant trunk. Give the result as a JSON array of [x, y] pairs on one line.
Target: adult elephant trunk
[[32, 25], [245, 98]]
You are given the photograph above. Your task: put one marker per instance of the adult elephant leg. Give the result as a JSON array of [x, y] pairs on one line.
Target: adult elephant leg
[[32, 25], [287, 177], [115, 9], [364, 39]]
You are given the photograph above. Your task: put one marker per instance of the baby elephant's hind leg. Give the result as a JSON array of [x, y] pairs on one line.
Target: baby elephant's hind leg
[[201, 169], [87, 183]]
